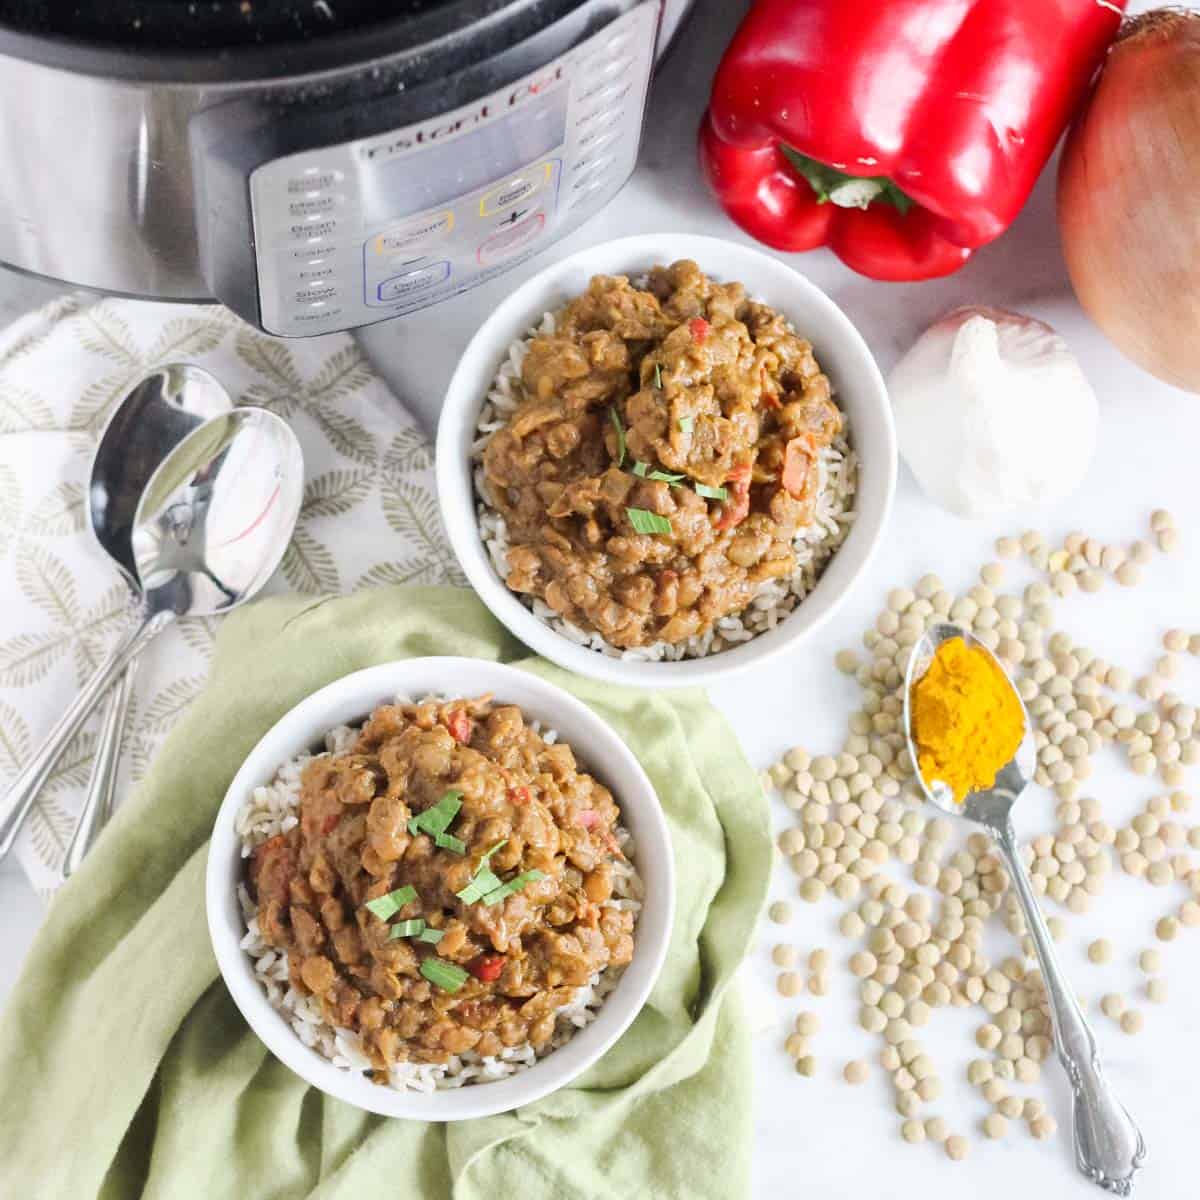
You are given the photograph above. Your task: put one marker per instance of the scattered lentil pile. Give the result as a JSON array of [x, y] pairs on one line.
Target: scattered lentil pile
[[920, 949]]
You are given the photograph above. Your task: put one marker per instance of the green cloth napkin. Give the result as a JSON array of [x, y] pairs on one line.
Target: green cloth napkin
[[126, 1070]]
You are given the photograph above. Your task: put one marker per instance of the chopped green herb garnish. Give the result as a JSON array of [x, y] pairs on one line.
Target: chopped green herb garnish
[[431, 935], [447, 841], [446, 975], [642, 470], [644, 521], [512, 887], [615, 417], [686, 423], [484, 880], [387, 906], [658, 376], [436, 820], [488, 853], [712, 493], [408, 928]]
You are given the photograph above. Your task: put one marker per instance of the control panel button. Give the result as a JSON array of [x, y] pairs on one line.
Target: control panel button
[[312, 256], [313, 231], [617, 42], [400, 286], [608, 95], [312, 180], [314, 206], [584, 189], [398, 264], [413, 235], [610, 68], [593, 163], [598, 139], [316, 291], [312, 272], [605, 91], [319, 312], [511, 238], [599, 119], [516, 190]]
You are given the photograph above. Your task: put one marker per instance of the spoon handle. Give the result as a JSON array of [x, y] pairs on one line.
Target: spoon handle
[[97, 804], [15, 805], [1108, 1145]]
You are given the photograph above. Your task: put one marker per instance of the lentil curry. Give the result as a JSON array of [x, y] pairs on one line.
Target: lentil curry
[[448, 885], [663, 456]]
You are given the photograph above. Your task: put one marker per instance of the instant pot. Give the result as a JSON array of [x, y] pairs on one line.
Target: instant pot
[[315, 165]]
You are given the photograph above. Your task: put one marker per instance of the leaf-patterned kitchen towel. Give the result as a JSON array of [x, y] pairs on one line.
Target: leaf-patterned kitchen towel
[[369, 515]]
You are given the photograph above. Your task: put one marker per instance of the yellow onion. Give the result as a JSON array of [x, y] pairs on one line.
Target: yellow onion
[[1129, 197]]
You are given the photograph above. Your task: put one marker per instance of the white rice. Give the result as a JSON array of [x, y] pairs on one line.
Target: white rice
[[273, 809], [814, 545]]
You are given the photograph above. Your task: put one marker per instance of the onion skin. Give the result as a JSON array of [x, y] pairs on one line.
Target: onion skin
[[1129, 197]]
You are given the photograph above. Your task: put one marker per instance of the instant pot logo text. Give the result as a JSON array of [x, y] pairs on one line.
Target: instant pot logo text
[[449, 127]]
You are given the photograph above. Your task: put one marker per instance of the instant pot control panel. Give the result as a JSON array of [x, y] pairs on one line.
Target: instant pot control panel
[[360, 231]]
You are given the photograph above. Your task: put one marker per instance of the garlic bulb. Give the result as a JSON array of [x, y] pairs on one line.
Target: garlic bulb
[[993, 413]]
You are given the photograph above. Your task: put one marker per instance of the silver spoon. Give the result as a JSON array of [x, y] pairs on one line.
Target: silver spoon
[[1108, 1145], [210, 530], [158, 412]]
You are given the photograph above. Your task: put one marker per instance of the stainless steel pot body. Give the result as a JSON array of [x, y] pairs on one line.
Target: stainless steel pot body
[[132, 174]]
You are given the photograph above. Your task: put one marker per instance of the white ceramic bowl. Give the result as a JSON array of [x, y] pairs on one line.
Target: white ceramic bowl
[[840, 349], [599, 749]]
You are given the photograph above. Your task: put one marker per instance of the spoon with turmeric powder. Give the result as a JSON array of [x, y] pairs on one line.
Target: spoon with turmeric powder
[[971, 740]]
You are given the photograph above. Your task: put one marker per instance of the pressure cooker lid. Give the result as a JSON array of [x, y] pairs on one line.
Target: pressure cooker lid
[[204, 24]]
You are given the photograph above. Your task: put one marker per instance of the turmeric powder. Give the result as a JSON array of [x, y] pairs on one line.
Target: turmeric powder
[[967, 720]]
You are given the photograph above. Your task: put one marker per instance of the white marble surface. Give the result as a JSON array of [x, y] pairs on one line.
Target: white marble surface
[[818, 1134]]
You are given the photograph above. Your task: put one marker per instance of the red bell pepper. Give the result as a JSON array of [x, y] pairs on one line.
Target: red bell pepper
[[460, 726], [487, 967], [925, 122]]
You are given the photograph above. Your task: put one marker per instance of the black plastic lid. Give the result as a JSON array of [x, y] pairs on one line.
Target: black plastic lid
[[203, 24]]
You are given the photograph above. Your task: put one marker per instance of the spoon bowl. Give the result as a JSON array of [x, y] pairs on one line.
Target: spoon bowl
[[217, 516], [158, 412], [984, 807], [1109, 1147]]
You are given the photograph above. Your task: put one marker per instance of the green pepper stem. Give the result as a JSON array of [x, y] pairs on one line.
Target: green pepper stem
[[832, 186]]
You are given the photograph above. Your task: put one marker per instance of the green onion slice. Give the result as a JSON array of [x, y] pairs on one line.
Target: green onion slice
[[410, 928], [512, 887], [658, 376], [446, 975], [386, 906], [712, 493], [484, 880], [686, 423], [431, 935], [642, 470], [644, 521], [447, 841], [436, 820], [615, 417]]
